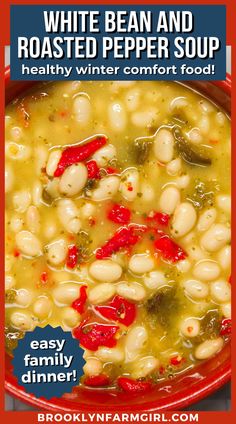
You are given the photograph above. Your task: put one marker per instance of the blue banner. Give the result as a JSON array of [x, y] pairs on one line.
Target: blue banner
[[118, 42]]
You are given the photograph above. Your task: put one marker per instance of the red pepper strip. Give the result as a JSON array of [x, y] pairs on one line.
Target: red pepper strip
[[79, 304], [159, 218], [97, 380], [177, 360], [169, 250], [75, 154], [72, 256], [119, 309], [93, 170], [133, 386], [44, 277], [119, 214], [123, 237], [226, 327], [91, 336], [110, 170]]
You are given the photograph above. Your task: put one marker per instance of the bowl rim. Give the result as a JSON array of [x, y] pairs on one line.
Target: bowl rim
[[177, 401]]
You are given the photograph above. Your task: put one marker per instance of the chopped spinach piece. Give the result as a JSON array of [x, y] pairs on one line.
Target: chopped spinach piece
[[203, 194], [192, 155], [163, 305], [10, 296], [11, 338], [140, 150], [210, 325]]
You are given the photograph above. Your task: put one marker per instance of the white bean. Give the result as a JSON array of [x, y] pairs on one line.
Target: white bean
[[54, 157], [178, 103], [195, 252], [190, 327], [114, 355], [117, 117], [169, 199], [206, 219], [132, 99], [136, 340], [196, 289], [226, 310], [129, 185], [21, 200], [9, 178], [82, 109], [221, 291], [37, 193], [92, 367], [28, 243], [145, 366], [183, 220], [155, 279], [216, 237], [16, 224], [107, 188], [23, 297], [16, 151], [220, 118], [164, 145], [224, 257], [87, 210], [206, 270], [105, 270], [224, 202], [40, 158], [70, 317], [132, 291], [42, 307], [184, 265], [174, 167], [182, 181], [204, 125], [194, 136], [209, 348], [148, 193], [64, 294], [56, 251], [73, 179], [50, 229], [101, 293], [206, 106], [33, 219], [105, 154], [141, 263], [22, 321], [10, 282], [68, 215], [144, 118]]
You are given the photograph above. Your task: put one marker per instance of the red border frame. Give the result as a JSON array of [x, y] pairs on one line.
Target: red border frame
[[178, 400]]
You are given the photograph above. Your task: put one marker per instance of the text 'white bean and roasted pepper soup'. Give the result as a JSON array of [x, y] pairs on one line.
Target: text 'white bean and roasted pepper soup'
[[118, 226]]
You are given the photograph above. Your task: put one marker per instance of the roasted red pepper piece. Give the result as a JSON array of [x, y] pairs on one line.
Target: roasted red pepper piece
[[72, 256], [110, 170], [119, 214], [133, 386], [44, 277], [177, 360], [91, 336], [119, 309], [100, 380], [79, 304], [93, 170], [169, 250], [159, 218], [79, 153], [226, 327], [124, 237]]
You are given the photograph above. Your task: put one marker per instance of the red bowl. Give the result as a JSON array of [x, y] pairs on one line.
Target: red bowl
[[175, 394]]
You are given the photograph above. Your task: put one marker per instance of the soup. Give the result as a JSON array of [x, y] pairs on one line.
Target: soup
[[118, 226]]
